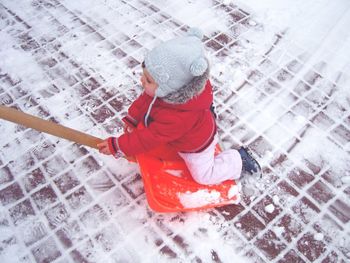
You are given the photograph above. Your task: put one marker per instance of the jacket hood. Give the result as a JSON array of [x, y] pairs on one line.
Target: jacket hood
[[200, 101], [189, 91], [197, 95]]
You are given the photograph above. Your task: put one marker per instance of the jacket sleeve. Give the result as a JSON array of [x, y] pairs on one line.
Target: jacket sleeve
[[158, 132], [137, 110]]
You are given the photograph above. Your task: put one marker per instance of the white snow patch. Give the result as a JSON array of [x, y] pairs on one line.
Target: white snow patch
[[270, 208], [276, 199], [317, 148], [234, 191], [300, 119], [199, 198], [345, 179], [314, 17], [279, 230], [176, 173], [200, 230], [196, 14], [319, 236]]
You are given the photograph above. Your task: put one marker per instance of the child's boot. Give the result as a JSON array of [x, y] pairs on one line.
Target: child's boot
[[249, 164]]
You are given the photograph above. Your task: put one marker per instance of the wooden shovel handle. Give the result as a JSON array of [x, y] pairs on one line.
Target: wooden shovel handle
[[49, 127]]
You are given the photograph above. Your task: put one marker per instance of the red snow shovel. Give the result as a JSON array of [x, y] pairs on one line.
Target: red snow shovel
[[170, 187], [168, 184]]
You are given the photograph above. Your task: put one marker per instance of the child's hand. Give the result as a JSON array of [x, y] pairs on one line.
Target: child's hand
[[103, 147]]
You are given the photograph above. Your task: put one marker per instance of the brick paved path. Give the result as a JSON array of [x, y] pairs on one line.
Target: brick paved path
[[78, 64]]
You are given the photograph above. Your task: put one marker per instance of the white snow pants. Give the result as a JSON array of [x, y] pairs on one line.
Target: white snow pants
[[206, 168]]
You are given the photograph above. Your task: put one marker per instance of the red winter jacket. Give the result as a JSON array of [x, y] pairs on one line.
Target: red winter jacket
[[188, 127]]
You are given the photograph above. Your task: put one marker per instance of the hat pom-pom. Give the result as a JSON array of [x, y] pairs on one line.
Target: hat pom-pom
[[196, 32], [198, 66]]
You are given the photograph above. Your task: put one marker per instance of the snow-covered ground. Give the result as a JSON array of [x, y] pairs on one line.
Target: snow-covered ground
[[281, 73]]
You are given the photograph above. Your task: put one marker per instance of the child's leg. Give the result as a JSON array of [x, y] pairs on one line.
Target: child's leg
[[206, 168]]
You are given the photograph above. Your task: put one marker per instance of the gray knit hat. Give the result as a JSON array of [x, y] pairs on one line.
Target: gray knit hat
[[174, 63]]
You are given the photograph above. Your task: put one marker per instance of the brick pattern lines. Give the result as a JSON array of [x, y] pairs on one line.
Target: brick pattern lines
[[80, 67]]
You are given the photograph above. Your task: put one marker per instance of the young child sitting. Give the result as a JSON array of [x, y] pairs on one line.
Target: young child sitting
[[176, 109]]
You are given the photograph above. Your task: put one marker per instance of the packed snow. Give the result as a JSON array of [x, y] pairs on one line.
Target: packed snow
[[201, 197]]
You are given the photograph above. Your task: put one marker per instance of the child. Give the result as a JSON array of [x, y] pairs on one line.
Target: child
[[175, 109]]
